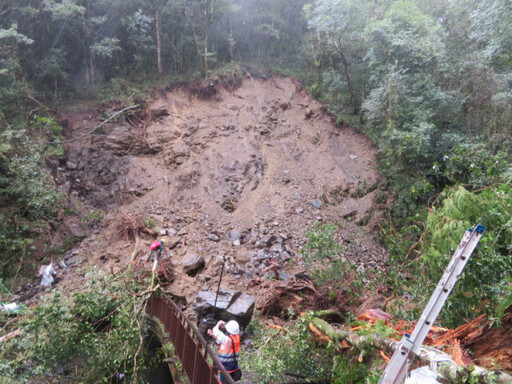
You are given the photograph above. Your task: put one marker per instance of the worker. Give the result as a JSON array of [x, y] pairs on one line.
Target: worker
[[156, 249], [229, 346]]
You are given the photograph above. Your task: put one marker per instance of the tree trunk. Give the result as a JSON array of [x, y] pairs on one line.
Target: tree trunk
[[91, 60], [205, 61], [158, 28], [231, 41], [347, 77], [446, 367], [196, 43], [209, 19], [86, 64]]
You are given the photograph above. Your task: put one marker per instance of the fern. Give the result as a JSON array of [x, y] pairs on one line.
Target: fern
[[483, 282]]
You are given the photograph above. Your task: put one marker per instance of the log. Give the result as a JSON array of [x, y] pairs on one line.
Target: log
[[10, 335], [461, 331], [445, 365]]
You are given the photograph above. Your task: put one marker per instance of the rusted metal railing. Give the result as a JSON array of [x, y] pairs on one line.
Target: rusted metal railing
[[189, 345]]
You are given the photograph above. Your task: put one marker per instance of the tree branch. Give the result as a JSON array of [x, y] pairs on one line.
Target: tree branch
[[89, 132], [445, 365]]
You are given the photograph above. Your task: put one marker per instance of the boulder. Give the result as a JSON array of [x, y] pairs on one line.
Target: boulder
[[230, 305], [267, 241], [244, 256], [262, 255], [242, 308], [193, 263], [213, 237], [209, 299], [235, 235]]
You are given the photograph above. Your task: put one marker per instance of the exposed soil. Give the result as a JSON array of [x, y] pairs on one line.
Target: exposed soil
[[239, 177]]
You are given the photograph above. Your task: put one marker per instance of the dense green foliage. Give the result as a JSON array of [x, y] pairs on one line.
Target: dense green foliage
[[87, 336], [483, 286], [27, 193], [430, 83], [76, 44], [294, 350]]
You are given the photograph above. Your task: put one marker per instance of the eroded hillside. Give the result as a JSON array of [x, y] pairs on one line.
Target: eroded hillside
[[238, 177]]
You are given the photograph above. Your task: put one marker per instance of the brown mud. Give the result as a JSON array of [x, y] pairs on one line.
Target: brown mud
[[236, 178]]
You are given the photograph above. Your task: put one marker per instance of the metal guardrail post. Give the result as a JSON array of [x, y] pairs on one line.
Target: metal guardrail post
[[182, 333]]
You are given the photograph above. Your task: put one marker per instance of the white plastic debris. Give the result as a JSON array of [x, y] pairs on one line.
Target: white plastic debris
[[48, 276], [422, 375], [10, 308]]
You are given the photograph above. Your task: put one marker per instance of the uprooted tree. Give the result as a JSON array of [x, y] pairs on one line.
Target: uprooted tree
[[445, 365]]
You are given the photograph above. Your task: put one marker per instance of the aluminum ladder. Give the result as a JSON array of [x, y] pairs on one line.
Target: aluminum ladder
[[398, 367]]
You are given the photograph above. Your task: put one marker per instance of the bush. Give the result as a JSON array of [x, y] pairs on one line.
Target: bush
[[321, 245], [279, 351], [294, 350], [90, 335], [28, 196], [484, 279]]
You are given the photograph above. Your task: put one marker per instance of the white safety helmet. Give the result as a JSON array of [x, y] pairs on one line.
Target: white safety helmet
[[232, 327]]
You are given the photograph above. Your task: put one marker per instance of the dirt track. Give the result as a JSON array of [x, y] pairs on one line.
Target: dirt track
[[240, 176]]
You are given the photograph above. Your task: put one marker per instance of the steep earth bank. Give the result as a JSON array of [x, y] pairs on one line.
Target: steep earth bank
[[237, 178]]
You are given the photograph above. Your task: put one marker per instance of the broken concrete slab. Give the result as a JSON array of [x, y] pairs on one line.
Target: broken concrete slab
[[227, 305], [205, 300]]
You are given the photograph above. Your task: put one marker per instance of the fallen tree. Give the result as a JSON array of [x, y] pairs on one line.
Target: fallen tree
[[445, 366]]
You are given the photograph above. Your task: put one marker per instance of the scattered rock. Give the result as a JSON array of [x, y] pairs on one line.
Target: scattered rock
[[276, 248], [267, 241], [213, 237], [284, 256], [235, 235], [317, 204], [172, 242], [261, 256], [192, 263]]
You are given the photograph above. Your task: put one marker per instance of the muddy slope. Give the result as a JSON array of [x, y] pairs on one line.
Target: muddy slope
[[238, 177]]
